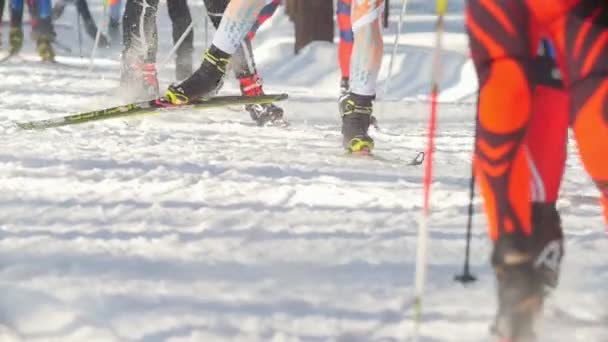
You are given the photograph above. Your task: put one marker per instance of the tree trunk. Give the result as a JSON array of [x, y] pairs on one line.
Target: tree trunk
[[314, 20], [290, 9]]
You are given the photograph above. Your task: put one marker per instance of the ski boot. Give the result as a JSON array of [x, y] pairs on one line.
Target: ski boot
[[45, 49], [527, 269], [344, 86], [44, 35], [262, 113], [205, 82], [15, 40], [356, 111], [138, 79]]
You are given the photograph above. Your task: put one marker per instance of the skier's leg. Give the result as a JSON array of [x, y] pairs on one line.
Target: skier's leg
[[266, 13], [138, 72], [581, 40], [89, 23], [139, 29], [345, 46], [242, 61], [115, 14], [44, 30], [548, 128], [16, 8], [236, 22], [547, 148], [243, 64], [215, 10], [16, 24], [525, 256], [503, 64], [181, 19], [356, 106]]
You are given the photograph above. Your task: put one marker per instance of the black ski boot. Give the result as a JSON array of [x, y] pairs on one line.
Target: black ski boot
[[527, 269], [263, 114], [356, 111], [205, 82]]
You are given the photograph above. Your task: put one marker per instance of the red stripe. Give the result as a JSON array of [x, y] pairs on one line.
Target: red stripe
[[428, 171]]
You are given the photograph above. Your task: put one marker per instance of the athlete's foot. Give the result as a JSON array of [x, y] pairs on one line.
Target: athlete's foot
[[205, 82], [356, 111], [45, 49], [527, 269], [265, 113], [15, 40]]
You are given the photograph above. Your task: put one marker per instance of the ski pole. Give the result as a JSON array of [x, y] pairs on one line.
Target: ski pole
[[206, 29], [394, 52], [390, 64], [98, 35], [165, 60], [466, 276], [79, 34], [421, 250]]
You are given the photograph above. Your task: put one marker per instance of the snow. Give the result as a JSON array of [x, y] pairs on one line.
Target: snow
[[200, 226]]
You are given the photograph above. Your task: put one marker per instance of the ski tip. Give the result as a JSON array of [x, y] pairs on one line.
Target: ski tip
[[419, 159], [279, 96], [24, 125]]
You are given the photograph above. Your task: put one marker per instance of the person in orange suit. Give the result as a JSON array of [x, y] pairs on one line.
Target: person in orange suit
[[511, 137]]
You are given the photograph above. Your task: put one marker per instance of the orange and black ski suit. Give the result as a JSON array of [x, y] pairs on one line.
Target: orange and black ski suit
[[347, 38], [504, 37]]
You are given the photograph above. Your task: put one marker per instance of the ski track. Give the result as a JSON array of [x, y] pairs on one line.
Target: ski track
[[200, 226]]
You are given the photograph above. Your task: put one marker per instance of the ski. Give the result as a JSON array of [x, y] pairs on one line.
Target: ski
[[573, 318], [145, 108], [417, 160]]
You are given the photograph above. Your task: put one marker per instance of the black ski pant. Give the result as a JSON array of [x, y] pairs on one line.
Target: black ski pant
[[140, 33]]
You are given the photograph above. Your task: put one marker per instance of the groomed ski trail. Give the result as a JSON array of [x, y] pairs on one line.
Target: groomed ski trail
[[204, 227]]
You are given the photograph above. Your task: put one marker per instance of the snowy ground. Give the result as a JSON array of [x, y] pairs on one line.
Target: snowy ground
[[199, 226]]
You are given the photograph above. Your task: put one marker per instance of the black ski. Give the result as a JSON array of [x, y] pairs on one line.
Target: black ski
[[147, 107]]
